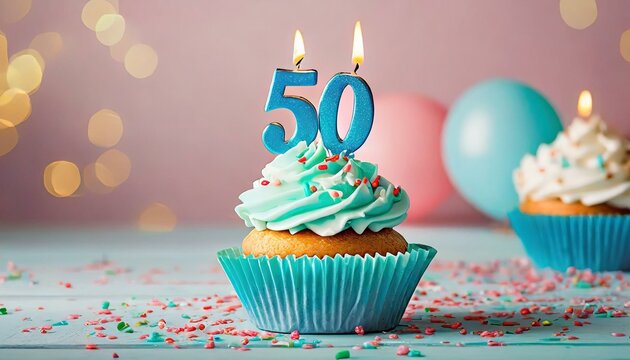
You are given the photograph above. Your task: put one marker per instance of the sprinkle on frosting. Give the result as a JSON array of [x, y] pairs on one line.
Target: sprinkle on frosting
[[587, 163], [325, 194]]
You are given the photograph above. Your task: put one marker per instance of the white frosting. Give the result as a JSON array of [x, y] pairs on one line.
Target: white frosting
[[587, 163]]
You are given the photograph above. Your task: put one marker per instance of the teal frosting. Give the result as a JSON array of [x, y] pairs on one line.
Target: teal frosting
[[304, 188]]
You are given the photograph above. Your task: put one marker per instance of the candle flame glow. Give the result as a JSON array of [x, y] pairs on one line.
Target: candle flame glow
[[357, 46], [585, 104], [298, 48]]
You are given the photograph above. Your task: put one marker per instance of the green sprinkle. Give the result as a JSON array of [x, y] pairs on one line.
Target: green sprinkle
[[171, 304], [60, 323], [565, 163], [110, 272], [3, 311], [122, 326], [546, 323], [184, 316], [583, 285], [414, 353], [369, 345], [155, 337], [105, 305], [129, 331], [142, 323], [343, 354], [601, 315]]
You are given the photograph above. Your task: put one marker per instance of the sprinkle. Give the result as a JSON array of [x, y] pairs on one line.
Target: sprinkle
[[308, 346], [245, 341], [105, 305], [343, 354], [370, 345], [357, 182], [525, 311], [295, 335], [115, 356], [396, 191], [376, 181], [495, 343], [365, 180], [122, 326], [60, 323], [359, 330], [335, 194], [600, 162], [618, 334], [546, 323], [333, 158], [393, 336], [347, 168], [91, 347], [302, 159], [322, 167], [402, 350], [264, 182], [209, 345], [3, 311], [414, 353]]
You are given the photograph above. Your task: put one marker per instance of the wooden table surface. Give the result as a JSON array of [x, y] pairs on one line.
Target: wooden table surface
[[54, 295]]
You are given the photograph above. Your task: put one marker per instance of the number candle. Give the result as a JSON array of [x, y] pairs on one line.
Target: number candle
[[363, 110], [306, 126]]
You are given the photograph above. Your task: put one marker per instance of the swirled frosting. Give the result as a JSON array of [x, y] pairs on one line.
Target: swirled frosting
[[586, 163], [304, 188]]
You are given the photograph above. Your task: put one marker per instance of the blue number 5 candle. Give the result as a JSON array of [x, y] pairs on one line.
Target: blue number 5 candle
[[362, 113], [306, 126]]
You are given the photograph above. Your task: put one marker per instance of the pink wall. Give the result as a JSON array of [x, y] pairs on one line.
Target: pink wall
[[192, 130]]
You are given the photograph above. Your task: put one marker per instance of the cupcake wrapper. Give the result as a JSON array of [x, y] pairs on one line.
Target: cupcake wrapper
[[596, 242], [328, 295]]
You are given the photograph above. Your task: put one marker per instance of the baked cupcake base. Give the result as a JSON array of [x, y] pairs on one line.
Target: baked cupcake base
[[283, 243], [596, 242], [557, 207], [326, 295]]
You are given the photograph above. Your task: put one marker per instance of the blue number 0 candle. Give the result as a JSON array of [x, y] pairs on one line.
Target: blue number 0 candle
[[362, 113]]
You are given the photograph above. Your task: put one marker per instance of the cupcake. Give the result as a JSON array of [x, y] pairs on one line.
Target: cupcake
[[575, 199], [323, 256]]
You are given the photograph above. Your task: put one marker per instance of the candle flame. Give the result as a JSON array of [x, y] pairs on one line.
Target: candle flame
[[357, 46], [585, 104], [298, 48]]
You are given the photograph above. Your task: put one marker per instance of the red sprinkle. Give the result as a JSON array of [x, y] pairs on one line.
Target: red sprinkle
[[396, 191], [264, 182], [618, 334], [335, 194], [322, 167], [209, 345], [313, 188], [295, 335], [376, 181], [115, 356], [333, 158], [302, 159], [525, 311], [91, 347], [347, 168], [359, 330]]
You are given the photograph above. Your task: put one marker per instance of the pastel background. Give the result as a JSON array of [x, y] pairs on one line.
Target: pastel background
[[191, 127]]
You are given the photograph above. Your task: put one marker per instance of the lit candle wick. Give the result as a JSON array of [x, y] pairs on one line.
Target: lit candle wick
[[298, 49], [357, 47], [585, 104]]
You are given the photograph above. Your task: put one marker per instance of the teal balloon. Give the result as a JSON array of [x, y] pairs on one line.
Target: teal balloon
[[488, 130]]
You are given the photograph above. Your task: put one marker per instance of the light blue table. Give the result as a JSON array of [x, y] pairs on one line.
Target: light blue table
[[134, 271]]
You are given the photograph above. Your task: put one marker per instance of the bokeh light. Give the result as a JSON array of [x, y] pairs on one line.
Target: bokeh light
[[24, 73], [4, 62], [34, 53], [113, 167], [624, 45], [157, 217], [110, 29], [141, 61], [8, 136], [93, 10], [105, 128], [91, 181], [13, 10], [578, 14], [62, 178], [15, 106], [49, 44]]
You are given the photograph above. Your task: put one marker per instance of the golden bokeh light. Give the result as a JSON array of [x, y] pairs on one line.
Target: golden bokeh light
[[157, 217], [578, 14], [15, 106], [113, 167], [105, 128], [8, 136], [141, 61], [4, 62], [34, 53], [94, 10], [624, 45], [13, 10], [48, 44], [91, 181], [24, 73], [110, 29], [62, 178]]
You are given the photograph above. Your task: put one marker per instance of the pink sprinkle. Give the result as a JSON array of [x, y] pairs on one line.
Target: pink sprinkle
[[209, 345], [495, 343], [115, 356], [359, 330], [356, 347], [458, 344], [243, 349], [378, 338], [572, 338], [402, 350], [618, 334], [295, 335], [307, 346], [335, 194], [393, 336], [347, 168]]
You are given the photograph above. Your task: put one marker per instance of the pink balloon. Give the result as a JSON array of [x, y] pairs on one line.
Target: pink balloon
[[405, 142]]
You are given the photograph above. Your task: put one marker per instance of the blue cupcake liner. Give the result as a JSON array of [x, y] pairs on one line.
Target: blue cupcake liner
[[328, 295], [596, 242]]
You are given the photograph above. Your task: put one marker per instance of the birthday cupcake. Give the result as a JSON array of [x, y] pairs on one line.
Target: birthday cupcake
[[323, 256], [575, 199]]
